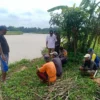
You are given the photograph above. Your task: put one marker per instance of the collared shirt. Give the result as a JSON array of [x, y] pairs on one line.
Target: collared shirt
[[51, 41]]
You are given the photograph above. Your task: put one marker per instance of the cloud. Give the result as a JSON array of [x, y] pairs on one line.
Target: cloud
[[3, 11]]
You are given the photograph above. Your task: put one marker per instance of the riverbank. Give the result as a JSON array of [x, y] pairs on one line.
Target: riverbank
[[23, 83], [14, 32]]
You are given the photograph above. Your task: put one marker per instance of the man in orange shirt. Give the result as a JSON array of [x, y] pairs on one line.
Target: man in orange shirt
[[47, 73]]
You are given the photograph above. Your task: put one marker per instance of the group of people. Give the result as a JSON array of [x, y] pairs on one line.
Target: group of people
[[55, 59]]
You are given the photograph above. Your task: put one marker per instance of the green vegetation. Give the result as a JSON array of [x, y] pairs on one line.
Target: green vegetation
[[80, 26], [14, 32], [23, 83], [30, 30]]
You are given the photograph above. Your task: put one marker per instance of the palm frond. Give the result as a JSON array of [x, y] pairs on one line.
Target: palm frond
[[57, 8]]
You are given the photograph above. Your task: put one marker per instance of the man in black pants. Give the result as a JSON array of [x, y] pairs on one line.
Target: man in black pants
[[4, 50]]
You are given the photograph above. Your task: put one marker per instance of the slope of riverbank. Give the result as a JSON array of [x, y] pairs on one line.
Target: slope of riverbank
[[23, 84]]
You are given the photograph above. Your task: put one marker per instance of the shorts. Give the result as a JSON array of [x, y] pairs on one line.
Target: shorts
[[7, 59]]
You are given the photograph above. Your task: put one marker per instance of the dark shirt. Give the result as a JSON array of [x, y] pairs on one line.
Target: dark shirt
[[58, 41], [4, 44], [58, 65], [90, 65]]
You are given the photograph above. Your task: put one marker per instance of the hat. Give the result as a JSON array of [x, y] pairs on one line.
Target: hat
[[54, 53], [3, 28], [90, 50], [87, 56], [46, 56]]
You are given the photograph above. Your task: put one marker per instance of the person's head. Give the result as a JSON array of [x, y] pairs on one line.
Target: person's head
[[3, 30], [51, 32], [90, 51], [87, 57], [61, 48], [47, 58], [54, 54]]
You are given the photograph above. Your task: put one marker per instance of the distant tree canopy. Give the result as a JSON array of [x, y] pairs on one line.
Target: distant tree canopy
[[30, 30], [80, 26]]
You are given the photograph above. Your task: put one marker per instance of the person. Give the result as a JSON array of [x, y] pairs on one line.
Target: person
[[47, 73], [57, 44], [50, 42], [88, 67], [94, 57], [63, 55], [57, 63], [4, 50]]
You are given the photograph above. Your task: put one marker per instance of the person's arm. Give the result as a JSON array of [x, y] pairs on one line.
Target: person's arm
[[1, 52], [47, 42]]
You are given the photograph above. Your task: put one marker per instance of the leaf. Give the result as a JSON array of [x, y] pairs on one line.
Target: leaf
[[57, 8]]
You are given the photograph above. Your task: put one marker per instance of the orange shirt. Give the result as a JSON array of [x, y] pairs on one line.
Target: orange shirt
[[50, 69]]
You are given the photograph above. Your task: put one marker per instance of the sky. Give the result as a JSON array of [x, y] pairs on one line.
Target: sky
[[29, 13]]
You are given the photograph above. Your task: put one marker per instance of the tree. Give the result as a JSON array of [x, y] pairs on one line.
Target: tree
[[79, 24]]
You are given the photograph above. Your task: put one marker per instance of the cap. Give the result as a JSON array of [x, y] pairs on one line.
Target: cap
[[3, 28], [90, 50], [46, 56], [87, 56], [54, 53]]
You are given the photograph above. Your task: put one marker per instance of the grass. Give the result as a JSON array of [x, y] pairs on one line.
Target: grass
[[25, 85], [14, 32]]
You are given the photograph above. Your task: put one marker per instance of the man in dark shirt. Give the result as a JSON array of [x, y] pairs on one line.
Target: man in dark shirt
[[88, 66], [4, 49], [57, 62]]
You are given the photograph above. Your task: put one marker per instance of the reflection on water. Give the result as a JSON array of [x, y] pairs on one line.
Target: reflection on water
[[27, 46]]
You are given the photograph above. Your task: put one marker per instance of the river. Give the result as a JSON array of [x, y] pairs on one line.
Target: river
[[26, 46]]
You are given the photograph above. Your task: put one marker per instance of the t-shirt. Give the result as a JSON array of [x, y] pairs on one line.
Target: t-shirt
[[50, 69], [96, 59], [4, 44], [58, 65], [93, 57], [90, 64], [51, 41]]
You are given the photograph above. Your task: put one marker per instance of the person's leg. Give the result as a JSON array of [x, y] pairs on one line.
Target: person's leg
[[53, 49], [91, 73], [4, 73], [42, 76], [49, 51], [57, 49]]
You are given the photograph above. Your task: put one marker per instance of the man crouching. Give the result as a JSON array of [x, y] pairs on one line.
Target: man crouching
[[47, 73], [89, 67]]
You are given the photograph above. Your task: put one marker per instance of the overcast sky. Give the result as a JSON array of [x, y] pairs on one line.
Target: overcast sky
[[29, 13]]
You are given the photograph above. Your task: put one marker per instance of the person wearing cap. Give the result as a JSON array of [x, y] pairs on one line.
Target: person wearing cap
[[50, 42], [94, 57], [47, 73], [4, 49], [88, 66], [63, 55], [57, 62]]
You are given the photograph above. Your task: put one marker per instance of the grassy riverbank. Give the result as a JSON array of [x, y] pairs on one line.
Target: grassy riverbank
[[23, 84], [14, 32]]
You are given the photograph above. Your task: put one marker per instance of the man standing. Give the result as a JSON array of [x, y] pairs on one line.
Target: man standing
[[4, 50], [50, 42], [57, 44]]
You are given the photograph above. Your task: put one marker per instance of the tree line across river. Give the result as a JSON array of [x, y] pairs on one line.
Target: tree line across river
[[30, 30]]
